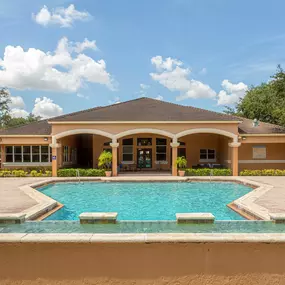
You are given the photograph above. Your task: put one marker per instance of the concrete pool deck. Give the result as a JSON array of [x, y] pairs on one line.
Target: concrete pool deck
[[18, 196]]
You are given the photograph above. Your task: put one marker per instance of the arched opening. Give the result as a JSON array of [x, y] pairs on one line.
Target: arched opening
[[205, 149], [144, 151], [81, 148]]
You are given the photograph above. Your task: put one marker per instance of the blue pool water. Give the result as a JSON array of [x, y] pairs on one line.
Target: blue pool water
[[145, 201]]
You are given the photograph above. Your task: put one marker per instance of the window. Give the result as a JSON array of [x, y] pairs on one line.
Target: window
[[144, 141], [35, 153], [27, 153], [128, 154], [9, 153], [66, 153], [181, 152], [44, 153], [161, 149], [207, 154]]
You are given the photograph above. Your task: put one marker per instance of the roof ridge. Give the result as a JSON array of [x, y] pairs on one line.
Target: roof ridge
[[192, 107], [94, 108]]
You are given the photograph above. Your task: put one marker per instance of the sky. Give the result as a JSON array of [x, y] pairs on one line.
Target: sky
[[62, 56]]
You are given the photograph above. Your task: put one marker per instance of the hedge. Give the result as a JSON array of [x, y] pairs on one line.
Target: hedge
[[208, 172], [263, 172], [23, 173], [71, 172]]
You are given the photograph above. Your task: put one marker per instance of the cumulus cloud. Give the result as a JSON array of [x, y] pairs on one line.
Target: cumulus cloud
[[58, 71], [64, 17], [232, 93], [18, 113], [46, 108], [86, 44], [173, 76], [17, 102]]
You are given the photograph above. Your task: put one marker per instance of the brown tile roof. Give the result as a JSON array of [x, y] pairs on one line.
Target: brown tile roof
[[143, 109], [246, 127], [36, 128]]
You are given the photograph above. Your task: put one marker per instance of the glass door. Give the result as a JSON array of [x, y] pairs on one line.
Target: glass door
[[144, 158]]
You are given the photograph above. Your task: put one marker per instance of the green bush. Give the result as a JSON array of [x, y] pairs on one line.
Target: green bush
[[48, 173], [71, 172], [5, 173], [208, 172], [19, 173], [264, 172]]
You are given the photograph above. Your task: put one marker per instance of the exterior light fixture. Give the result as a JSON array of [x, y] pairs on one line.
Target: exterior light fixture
[[45, 139]]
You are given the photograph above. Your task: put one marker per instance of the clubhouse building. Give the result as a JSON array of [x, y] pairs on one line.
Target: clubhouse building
[[147, 135]]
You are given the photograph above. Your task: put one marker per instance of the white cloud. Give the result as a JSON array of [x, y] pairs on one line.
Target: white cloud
[[159, 97], [79, 95], [58, 71], [86, 44], [60, 16], [232, 93], [167, 64], [18, 113], [45, 108], [171, 75], [17, 102]]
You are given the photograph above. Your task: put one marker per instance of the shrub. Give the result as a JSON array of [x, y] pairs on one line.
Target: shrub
[[33, 173], [5, 173], [66, 172], [264, 172], [48, 173], [105, 160], [71, 172], [208, 172], [19, 173], [181, 162]]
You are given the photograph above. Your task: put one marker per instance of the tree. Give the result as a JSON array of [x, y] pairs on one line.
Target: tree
[[6, 120], [265, 102], [4, 107]]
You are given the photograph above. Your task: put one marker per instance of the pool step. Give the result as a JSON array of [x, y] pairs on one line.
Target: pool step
[[195, 218], [98, 218], [278, 218]]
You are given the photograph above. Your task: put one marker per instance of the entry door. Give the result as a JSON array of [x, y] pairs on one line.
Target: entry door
[[144, 158]]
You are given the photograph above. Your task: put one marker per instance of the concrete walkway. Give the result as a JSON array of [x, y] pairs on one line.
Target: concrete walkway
[[14, 200]]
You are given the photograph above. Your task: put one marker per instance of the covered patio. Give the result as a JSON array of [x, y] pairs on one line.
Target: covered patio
[[146, 150]]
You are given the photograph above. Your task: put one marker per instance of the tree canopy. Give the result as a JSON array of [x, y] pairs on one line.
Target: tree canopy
[[265, 102], [6, 120]]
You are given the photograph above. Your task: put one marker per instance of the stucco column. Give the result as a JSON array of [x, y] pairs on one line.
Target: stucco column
[[114, 158], [54, 157], [3, 156], [234, 157], [174, 146]]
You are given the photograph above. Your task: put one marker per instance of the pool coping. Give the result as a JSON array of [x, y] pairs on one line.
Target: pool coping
[[145, 238], [46, 204]]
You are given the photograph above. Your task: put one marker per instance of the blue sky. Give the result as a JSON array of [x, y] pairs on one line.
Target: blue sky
[[215, 48]]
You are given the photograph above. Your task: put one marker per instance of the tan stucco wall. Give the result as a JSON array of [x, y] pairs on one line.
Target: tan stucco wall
[[24, 140], [193, 142], [117, 128], [142, 264], [274, 151]]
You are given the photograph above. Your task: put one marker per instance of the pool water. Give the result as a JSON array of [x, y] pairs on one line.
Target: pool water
[[151, 201]]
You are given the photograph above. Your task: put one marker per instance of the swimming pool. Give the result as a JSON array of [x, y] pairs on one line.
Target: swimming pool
[[151, 201]]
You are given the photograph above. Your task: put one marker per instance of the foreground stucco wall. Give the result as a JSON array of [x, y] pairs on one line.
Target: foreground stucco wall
[[157, 263]]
